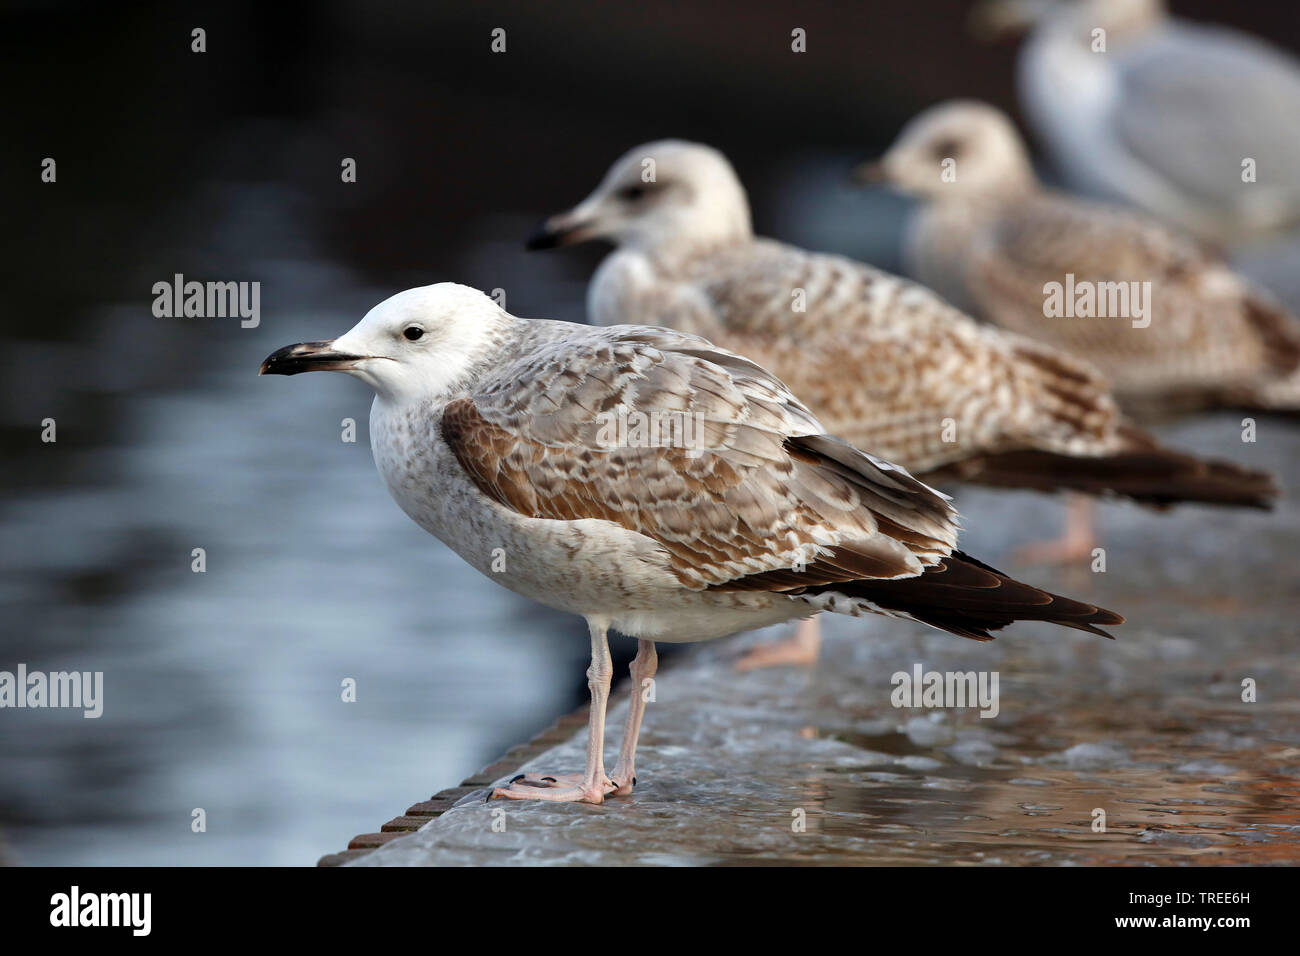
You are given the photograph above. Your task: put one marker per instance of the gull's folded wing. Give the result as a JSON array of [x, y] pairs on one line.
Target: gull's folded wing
[[739, 481]]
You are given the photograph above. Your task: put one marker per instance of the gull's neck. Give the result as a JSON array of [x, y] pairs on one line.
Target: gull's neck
[[670, 250], [1017, 183]]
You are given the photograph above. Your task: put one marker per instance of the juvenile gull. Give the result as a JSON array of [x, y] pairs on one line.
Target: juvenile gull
[[996, 241], [884, 363], [490, 432], [1165, 116]]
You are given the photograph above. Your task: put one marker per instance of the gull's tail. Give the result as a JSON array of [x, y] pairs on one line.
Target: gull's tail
[[1276, 389], [1144, 471], [964, 597]]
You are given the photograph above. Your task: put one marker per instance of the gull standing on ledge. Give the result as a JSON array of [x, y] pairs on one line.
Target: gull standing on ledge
[[492, 432], [994, 239], [883, 362]]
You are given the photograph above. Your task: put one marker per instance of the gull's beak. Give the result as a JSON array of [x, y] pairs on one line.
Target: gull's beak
[[564, 229], [307, 357], [869, 173]]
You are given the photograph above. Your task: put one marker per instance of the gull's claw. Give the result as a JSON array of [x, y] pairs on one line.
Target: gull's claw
[[561, 788]]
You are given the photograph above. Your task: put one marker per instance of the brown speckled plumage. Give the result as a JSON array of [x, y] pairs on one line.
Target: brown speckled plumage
[[1213, 339], [885, 363], [995, 242], [889, 366], [764, 504], [756, 494]]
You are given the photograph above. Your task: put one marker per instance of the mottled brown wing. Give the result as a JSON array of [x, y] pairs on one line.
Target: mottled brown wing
[[890, 366], [926, 405], [1201, 334], [755, 489]]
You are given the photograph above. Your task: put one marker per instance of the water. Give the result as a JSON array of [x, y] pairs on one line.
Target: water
[[223, 688]]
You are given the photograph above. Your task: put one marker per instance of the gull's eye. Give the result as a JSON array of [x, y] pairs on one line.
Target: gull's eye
[[631, 193], [947, 148], [412, 332]]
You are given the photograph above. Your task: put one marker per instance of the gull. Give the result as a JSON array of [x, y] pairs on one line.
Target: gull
[[492, 433], [1165, 116], [997, 242], [885, 363]]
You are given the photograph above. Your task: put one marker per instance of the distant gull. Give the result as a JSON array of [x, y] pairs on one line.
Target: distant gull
[[1000, 244], [884, 363], [1166, 114], [492, 433]]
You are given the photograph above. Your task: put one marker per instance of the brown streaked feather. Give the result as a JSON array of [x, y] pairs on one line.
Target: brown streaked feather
[[1212, 340], [773, 507], [1144, 471], [889, 366], [884, 362], [764, 494]]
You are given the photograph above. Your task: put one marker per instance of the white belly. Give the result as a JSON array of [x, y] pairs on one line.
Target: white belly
[[590, 567]]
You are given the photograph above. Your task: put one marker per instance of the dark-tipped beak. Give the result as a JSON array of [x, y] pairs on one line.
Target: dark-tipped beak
[[307, 357], [561, 230], [869, 173], [542, 238]]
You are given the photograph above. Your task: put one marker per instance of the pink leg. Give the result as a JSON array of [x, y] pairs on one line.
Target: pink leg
[[801, 650], [1075, 545], [643, 668], [593, 784]]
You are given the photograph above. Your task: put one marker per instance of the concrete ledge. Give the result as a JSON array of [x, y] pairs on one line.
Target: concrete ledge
[[806, 768], [419, 814]]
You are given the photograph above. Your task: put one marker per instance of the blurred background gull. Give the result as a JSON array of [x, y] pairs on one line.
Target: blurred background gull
[[1196, 122], [223, 688]]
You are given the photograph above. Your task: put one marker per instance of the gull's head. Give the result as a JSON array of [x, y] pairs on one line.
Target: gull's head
[[958, 149], [419, 344], [669, 191], [995, 19]]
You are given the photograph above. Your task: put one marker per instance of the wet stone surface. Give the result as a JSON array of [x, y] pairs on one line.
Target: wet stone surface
[[1150, 728]]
